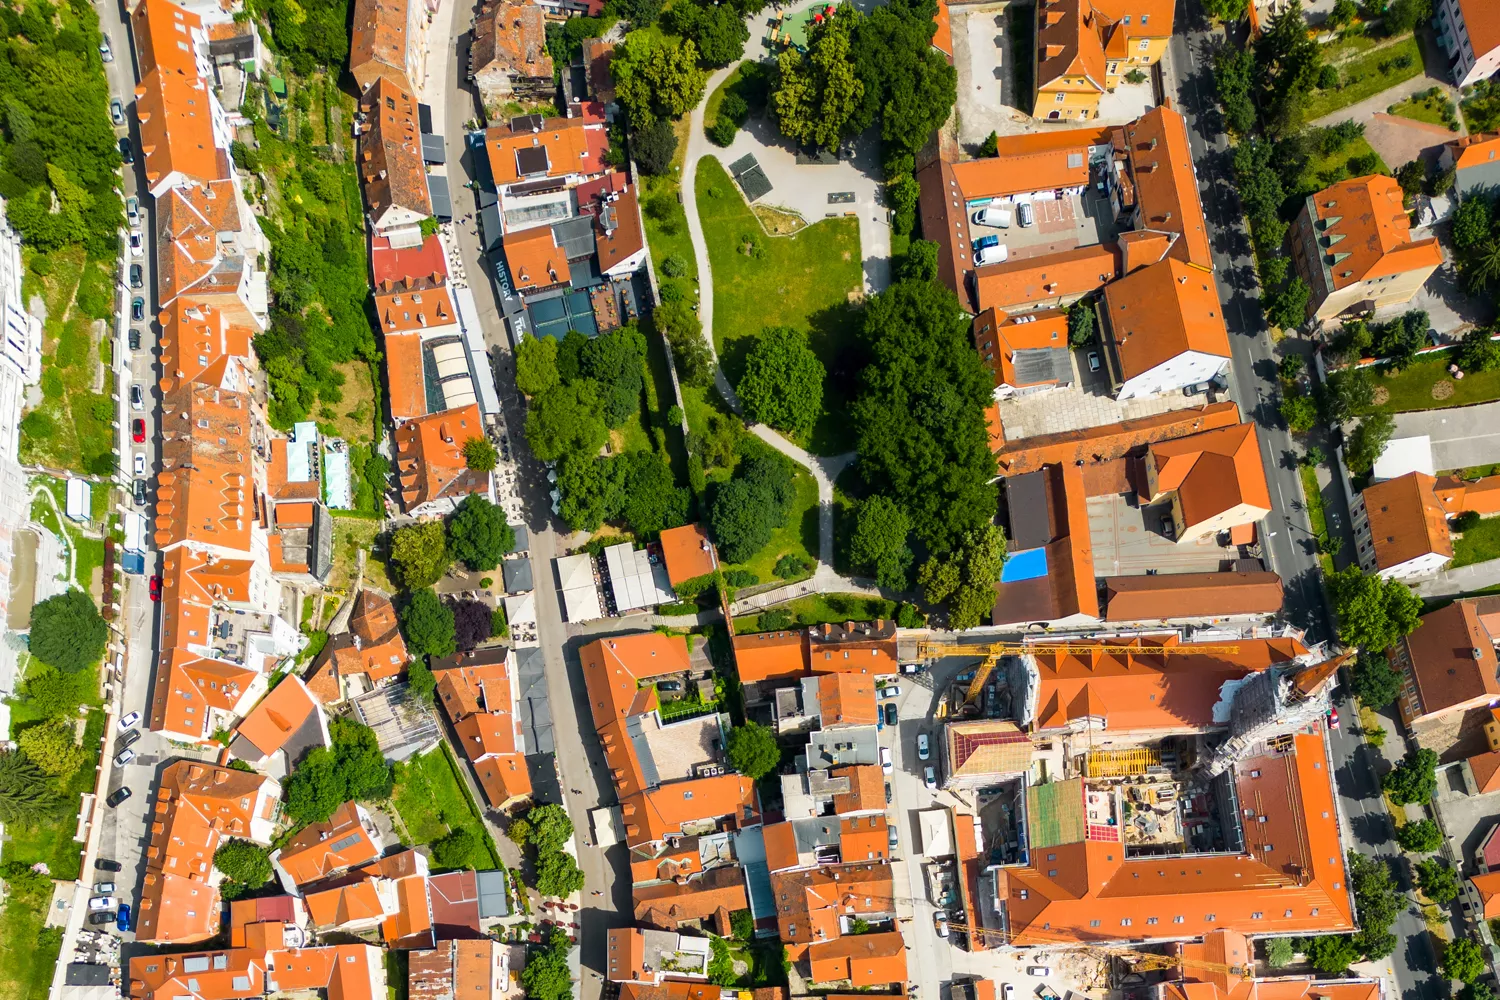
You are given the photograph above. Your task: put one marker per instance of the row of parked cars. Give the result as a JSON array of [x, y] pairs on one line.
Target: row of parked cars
[[988, 249]]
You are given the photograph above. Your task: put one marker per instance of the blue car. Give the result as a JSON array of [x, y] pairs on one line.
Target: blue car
[[122, 918], [986, 241]]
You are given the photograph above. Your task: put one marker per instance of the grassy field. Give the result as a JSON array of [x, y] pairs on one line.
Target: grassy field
[[817, 609], [1315, 515], [1367, 76], [666, 222], [355, 418], [90, 550], [803, 281], [1431, 107], [73, 426], [1412, 389], [1479, 544], [1322, 171], [351, 535], [431, 800], [28, 950], [711, 109]]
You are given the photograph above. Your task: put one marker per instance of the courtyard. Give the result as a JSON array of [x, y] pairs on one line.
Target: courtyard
[[1128, 541]]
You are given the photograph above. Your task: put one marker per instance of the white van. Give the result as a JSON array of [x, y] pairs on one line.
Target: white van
[[992, 255], [994, 216]]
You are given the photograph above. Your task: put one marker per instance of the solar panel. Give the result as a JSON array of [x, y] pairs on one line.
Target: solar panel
[[343, 842], [531, 160], [526, 123]]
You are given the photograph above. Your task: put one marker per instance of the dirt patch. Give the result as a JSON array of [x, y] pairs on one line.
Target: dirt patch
[[1380, 396], [1442, 389], [778, 221]]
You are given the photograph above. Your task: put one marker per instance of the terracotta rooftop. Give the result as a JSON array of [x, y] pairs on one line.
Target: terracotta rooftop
[[809, 902], [333, 845], [1166, 185], [1191, 595], [177, 135], [671, 904], [279, 716], [1161, 312], [1407, 520], [390, 150], [1213, 472], [558, 147], [999, 338], [1453, 659], [763, 656], [378, 42], [513, 37], [1026, 280], [164, 37], [430, 459], [535, 259], [1363, 226], [863, 959], [377, 649], [687, 553]]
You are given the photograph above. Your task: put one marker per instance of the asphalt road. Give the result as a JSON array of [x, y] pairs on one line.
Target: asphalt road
[[1289, 537]]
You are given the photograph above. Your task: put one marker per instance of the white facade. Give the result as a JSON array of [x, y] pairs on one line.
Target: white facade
[[1471, 62], [1185, 369]]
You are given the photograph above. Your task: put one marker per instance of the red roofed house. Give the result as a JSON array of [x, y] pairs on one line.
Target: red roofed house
[[290, 719], [1469, 31], [391, 169], [508, 58], [1215, 480], [1448, 666], [1401, 528], [861, 960], [480, 691], [687, 553], [344, 840], [430, 461]]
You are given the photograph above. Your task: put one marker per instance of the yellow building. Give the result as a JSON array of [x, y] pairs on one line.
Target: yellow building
[[1084, 48]]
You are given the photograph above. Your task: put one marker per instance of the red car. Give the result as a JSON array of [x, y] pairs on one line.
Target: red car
[[156, 588], [138, 430], [1333, 718]]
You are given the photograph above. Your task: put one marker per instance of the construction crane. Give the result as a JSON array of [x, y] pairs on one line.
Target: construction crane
[[993, 651], [1142, 961]]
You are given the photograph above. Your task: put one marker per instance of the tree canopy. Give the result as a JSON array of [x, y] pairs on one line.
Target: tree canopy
[[52, 746], [27, 797], [548, 827], [456, 849], [1437, 881], [656, 77], [1373, 613], [1375, 682], [478, 535], [1414, 779], [244, 862], [419, 554], [546, 975], [565, 419], [428, 625], [878, 545], [752, 750], [558, 874], [783, 381], [616, 362], [353, 768], [536, 365], [1463, 960], [653, 501], [473, 623], [906, 82], [67, 631], [592, 488], [818, 94], [748, 509], [420, 682]]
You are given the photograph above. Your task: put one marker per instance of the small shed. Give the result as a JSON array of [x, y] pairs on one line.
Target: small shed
[[80, 500]]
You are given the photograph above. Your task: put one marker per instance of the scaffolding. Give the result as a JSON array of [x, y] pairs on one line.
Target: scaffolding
[[1120, 763]]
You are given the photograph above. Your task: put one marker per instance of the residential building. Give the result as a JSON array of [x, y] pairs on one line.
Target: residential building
[[508, 59], [209, 249], [1026, 354], [538, 260], [475, 970], [700, 903], [867, 648], [196, 805], [391, 169], [812, 903], [1448, 677], [433, 474], [977, 753], [1353, 246], [1220, 968], [862, 961], [1401, 528], [289, 721], [1469, 31], [771, 656], [371, 647], [648, 956], [1163, 327], [567, 151], [345, 840], [687, 553], [1084, 49], [184, 136], [389, 42], [1213, 480], [1197, 596], [268, 965], [1475, 162], [481, 693], [389, 895]]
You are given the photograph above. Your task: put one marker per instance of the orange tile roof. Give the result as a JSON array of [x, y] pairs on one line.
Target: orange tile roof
[[346, 904], [1475, 150], [279, 716], [618, 235], [430, 457], [763, 656], [666, 866], [613, 669], [163, 34], [204, 486], [198, 251], [394, 267], [1452, 660], [1479, 495], [177, 135], [1037, 161], [565, 140], [1486, 770], [781, 846], [1407, 520], [511, 37], [390, 152], [378, 42], [864, 648], [998, 337], [670, 904], [1289, 880], [1069, 46], [164, 977], [411, 311], [1187, 595], [411, 925], [477, 697], [346, 971], [1488, 888], [655, 813], [1212, 472], [942, 36], [1142, 691], [1365, 233], [403, 372], [1144, 247], [1089, 447], [687, 552], [195, 335], [311, 855], [535, 259], [190, 685], [377, 649], [809, 902], [1482, 22], [847, 699], [863, 959], [1161, 312], [1026, 280], [1166, 186], [866, 788], [864, 838]]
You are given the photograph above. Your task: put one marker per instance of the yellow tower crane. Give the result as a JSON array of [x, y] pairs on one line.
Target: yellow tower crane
[[993, 651]]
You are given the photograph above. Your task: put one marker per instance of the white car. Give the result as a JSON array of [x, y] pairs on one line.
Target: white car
[[104, 888], [1007, 991], [129, 721], [929, 778], [886, 764], [105, 52], [140, 463], [994, 217], [1040, 971], [924, 749], [893, 691], [1026, 214], [137, 247], [124, 757], [99, 903], [992, 255], [133, 210], [940, 923], [137, 400]]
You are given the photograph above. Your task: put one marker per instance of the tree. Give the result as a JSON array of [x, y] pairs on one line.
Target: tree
[[428, 625], [536, 365], [878, 544], [480, 454], [67, 631], [456, 849], [550, 827], [27, 798], [1463, 960], [419, 554], [1473, 221], [1421, 837], [1346, 395], [1287, 63], [1080, 322], [1373, 613], [592, 488], [1332, 953], [616, 362], [1290, 367], [477, 534], [1368, 441], [1279, 953], [990, 146], [783, 381], [546, 975], [1437, 881], [656, 77], [752, 750], [817, 94], [1343, 13], [1300, 412], [1476, 991], [52, 746], [565, 419], [1374, 682], [421, 682], [679, 324], [920, 413], [717, 29], [1225, 10], [920, 263], [654, 146], [1287, 307], [1414, 779], [1478, 353], [653, 501], [748, 509], [1466, 520], [742, 925], [51, 693], [1411, 177], [244, 862], [472, 624], [1234, 80], [1402, 16], [721, 965], [906, 81], [558, 874]]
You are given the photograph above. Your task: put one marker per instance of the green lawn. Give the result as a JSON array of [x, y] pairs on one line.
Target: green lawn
[[1348, 47], [1314, 498], [711, 109], [431, 800], [90, 550], [1432, 107], [1412, 388], [818, 609], [797, 536], [1367, 76], [28, 950], [802, 281], [1479, 544], [1324, 171]]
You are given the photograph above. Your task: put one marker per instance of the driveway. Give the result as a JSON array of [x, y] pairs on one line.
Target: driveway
[[1462, 436]]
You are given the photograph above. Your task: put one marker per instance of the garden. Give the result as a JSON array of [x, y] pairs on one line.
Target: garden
[[1365, 76], [1430, 106], [431, 802]]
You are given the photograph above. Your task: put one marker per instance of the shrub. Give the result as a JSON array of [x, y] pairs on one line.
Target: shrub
[[775, 620], [792, 565], [722, 131], [908, 616], [741, 578], [674, 266], [456, 850], [1466, 521]]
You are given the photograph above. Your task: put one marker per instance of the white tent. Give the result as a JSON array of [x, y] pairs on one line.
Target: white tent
[[634, 579], [575, 578]]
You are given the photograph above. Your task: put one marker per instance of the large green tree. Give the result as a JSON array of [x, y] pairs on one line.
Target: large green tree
[[549, 827], [546, 975], [656, 76], [748, 509], [352, 769], [52, 746], [592, 488], [1421, 837], [244, 861], [920, 413], [558, 874], [1373, 613], [1375, 682], [566, 419], [907, 82], [783, 381], [1437, 881], [67, 631], [536, 365], [752, 750], [419, 554], [428, 625], [456, 849], [478, 535], [1287, 62], [818, 94], [1414, 779], [616, 362], [1463, 960], [27, 796], [653, 500], [878, 544]]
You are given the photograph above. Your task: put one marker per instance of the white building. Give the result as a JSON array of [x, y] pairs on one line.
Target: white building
[[1469, 31]]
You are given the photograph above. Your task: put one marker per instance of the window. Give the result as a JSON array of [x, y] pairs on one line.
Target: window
[[1144, 19], [1210, 918], [1150, 921], [1125, 19], [1124, 921], [1257, 915], [1145, 44], [1093, 923], [1061, 98], [1052, 873]]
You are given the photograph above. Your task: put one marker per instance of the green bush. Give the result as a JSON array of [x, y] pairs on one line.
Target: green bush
[[1466, 521], [775, 620], [741, 578]]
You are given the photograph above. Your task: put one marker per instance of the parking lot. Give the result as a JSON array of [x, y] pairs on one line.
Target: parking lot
[[1061, 224]]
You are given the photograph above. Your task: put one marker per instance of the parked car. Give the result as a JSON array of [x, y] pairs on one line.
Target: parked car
[[891, 691], [924, 748], [895, 840], [137, 244], [137, 401], [1196, 389], [985, 242], [929, 777], [128, 740], [1333, 718], [105, 865], [136, 276], [122, 919], [138, 430], [886, 764], [911, 668], [128, 722], [104, 888], [133, 211], [140, 463], [135, 339], [124, 757], [940, 923], [127, 151], [1025, 214], [155, 586], [116, 111], [1168, 527], [103, 903], [1221, 382], [137, 309], [669, 686], [890, 713], [1093, 361], [101, 918], [138, 488], [888, 793], [105, 52], [992, 255], [117, 796], [1007, 991], [994, 216], [1040, 971]]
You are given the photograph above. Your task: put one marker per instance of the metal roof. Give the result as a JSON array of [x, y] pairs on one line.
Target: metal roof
[[517, 575], [1026, 500], [432, 149], [442, 202], [1042, 364]]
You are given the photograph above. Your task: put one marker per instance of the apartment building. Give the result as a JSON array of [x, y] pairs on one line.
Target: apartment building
[[389, 42], [1448, 677], [481, 692], [1401, 528], [1475, 162], [391, 169], [1469, 32], [1215, 480], [508, 60], [1085, 48]]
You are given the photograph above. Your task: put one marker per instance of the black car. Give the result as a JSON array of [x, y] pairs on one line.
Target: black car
[[887, 793], [128, 739], [136, 276], [890, 713], [102, 917], [139, 487], [135, 339], [137, 309], [105, 865], [115, 798], [127, 152]]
